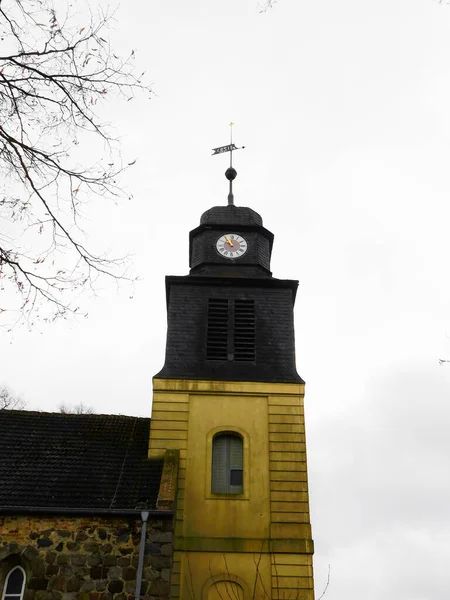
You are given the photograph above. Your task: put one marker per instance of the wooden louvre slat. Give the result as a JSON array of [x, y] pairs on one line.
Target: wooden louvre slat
[[217, 331], [244, 330]]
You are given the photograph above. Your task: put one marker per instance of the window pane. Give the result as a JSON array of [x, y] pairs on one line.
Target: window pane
[[226, 476], [15, 582], [235, 477], [235, 444], [219, 465]]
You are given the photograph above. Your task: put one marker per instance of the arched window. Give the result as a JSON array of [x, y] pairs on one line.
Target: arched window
[[14, 584], [227, 464]]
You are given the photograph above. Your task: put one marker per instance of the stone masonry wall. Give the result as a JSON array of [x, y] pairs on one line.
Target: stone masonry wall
[[86, 558]]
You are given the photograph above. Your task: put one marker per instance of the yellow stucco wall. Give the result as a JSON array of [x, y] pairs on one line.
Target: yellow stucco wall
[[259, 542]]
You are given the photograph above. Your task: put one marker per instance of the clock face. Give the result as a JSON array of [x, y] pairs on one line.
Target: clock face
[[231, 245]]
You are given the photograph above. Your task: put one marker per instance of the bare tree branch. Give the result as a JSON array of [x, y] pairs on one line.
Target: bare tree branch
[[265, 5], [327, 584], [8, 401], [55, 73], [76, 409]]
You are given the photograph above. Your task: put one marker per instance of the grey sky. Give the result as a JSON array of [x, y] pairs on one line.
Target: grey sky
[[344, 109]]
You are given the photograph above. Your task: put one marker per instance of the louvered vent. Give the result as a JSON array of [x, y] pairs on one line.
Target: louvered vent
[[217, 334], [244, 330]]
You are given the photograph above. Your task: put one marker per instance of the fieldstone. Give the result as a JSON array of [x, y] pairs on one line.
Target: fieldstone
[[166, 549], [50, 557], [152, 548], [59, 547], [58, 582], [128, 573], [100, 585], [74, 584], [81, 572], [38, 583], [123, 539], [106, 596], [165, 574], [81, 536], [114, 572], [96, 572], [48, 595], [163, 537], [124, 561], [34, 535], [110, 560], [30, 553], [87, 586], [94, 560], [94, 596], [68, 596], [44, 542], [29, 595], [102, 534], [105, 548], [130, 587], [52, 570], [160, 562], [120, 597], [159, 588], [73, 546], [64, 533], [79, 559], [115, 586], [63, 559], [66, 570], [91, 546], [150, 573], [38, 567], [126, 551]]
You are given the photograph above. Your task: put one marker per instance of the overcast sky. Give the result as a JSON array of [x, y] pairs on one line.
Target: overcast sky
[[344, 109]]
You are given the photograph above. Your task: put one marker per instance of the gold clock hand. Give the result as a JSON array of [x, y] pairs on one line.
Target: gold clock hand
[[229, 241]]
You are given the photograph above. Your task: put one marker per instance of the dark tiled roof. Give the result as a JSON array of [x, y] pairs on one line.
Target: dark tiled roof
[[76, 461], [231, 215]]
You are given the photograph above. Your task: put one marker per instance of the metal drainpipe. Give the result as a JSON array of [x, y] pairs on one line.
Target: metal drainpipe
[[144, 517]]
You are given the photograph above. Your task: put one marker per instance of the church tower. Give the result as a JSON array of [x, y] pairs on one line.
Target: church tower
[[229, 399]]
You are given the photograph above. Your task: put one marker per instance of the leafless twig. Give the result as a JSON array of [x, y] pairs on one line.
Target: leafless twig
[[327, 584], [55, 73]]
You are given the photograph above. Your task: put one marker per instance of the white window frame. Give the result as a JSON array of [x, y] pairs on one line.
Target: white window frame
[[231, 429], [6, 596]]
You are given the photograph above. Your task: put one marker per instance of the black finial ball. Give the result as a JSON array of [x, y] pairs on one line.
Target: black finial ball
[[230, 174]]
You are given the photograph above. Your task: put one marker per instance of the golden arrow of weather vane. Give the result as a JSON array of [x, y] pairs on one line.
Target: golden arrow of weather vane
[[229, 147]]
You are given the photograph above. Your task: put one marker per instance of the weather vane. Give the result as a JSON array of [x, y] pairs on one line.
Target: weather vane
[[230, 173]]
